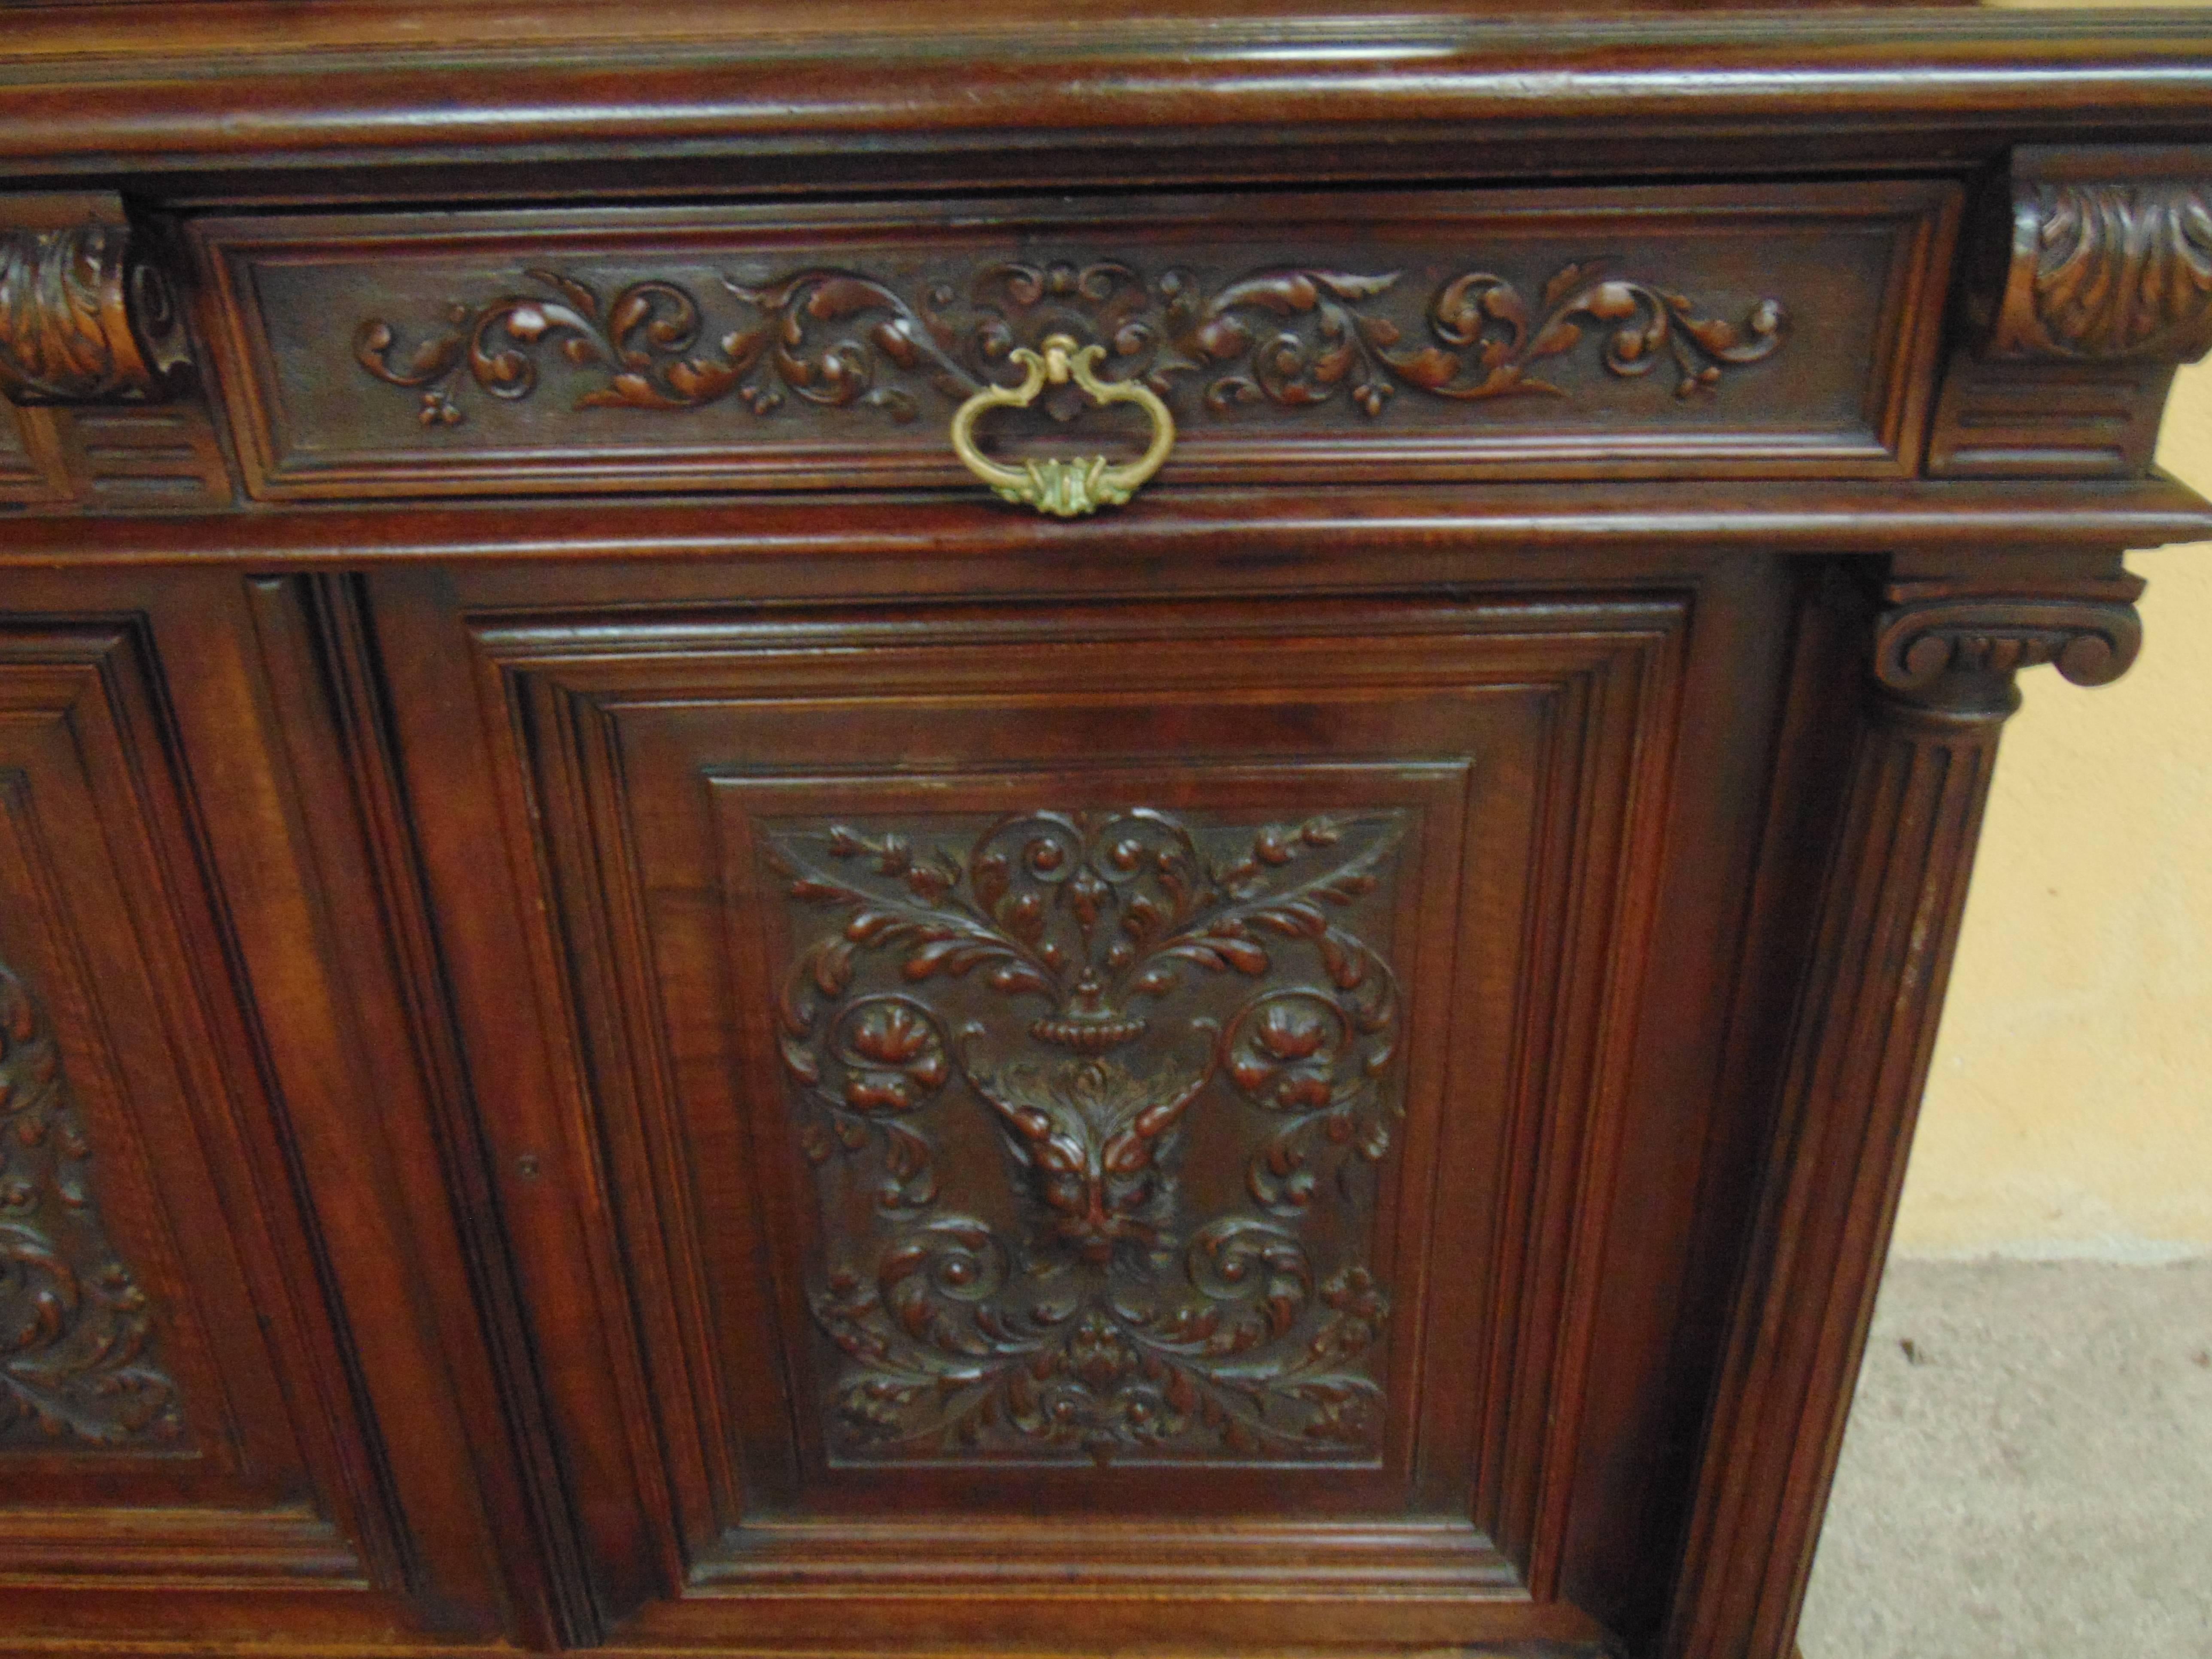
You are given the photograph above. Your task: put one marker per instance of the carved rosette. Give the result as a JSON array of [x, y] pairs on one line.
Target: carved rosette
[[2091, 641], [2108, 271], [79, 1360], [86, 317], [1093, 1103]]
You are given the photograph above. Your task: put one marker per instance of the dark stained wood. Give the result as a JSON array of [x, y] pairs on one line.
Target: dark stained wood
[[992, 92], [2106, 258], [94, 362], [919, 543], [2089, 280], [633, 1017], [32, 472], [324, 698], [87, 315], [2046, 420], [668, 1113]]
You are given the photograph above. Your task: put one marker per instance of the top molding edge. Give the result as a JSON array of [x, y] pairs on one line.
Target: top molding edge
[[93, 87]]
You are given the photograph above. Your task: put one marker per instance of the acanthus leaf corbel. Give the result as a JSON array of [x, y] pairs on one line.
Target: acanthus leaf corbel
[[87, 314], [2086, 281], [2110, 259]]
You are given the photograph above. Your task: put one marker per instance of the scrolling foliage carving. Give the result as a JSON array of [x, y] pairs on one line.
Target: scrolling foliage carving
[[1286, 336], [1093, 1103], [77, 1359]]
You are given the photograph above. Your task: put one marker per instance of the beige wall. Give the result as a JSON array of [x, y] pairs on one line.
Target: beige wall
[[2070, 1107]]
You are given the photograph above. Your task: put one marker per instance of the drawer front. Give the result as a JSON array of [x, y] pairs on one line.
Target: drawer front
[[1679, 331]]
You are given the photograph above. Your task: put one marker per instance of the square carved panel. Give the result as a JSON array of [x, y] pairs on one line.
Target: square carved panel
[[1097, 1106]]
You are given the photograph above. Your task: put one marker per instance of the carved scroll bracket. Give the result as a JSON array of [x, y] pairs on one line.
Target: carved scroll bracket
[[86, 316], [1953, 634], [2110, 258], [2089, 283]]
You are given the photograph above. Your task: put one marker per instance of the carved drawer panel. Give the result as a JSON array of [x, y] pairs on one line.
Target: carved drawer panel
[[1570, 333], [1069, 1092]]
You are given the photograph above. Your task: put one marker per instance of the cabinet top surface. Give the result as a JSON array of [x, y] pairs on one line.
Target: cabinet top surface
[[1474, 31]]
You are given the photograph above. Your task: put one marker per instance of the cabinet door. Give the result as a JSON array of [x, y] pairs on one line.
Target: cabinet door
[[199, 1434], [1048, 1123]]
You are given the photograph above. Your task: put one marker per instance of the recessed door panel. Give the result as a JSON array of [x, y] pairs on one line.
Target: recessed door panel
[[200, 1431], [131, 1368], [146, 1438], [1068, 1098]]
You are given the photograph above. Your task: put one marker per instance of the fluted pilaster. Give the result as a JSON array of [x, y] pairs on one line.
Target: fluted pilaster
[[1866, 1013]]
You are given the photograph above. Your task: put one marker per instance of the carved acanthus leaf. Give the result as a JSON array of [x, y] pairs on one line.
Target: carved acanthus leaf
[[84, 318], [1084, 983], [78, 1359], [2108, 271]]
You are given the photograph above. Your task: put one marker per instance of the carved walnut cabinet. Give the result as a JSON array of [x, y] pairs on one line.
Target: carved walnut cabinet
[[860, 830]]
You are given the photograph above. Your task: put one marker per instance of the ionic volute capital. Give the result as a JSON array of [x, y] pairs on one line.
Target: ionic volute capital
[[1956, 646]]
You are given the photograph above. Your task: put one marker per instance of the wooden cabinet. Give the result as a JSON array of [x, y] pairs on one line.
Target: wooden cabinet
[[634, 1016]]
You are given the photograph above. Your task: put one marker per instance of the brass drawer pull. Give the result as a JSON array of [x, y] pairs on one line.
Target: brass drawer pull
[[1065, 489]]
